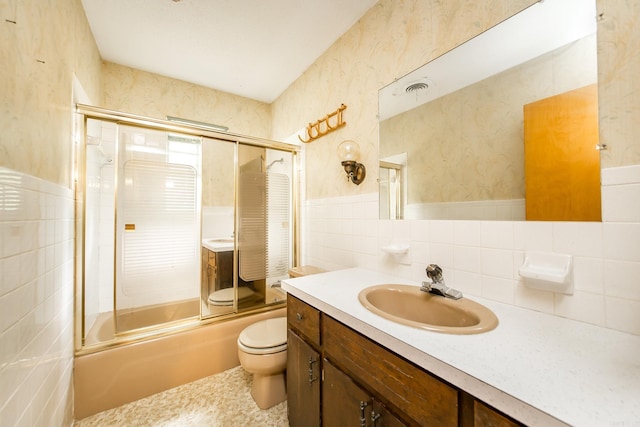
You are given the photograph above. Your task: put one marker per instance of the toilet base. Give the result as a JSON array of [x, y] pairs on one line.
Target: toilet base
[[268, 390]]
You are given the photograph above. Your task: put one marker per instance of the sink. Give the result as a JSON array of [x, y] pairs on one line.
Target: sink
[[410, 306], [221, 240], [218, 244]]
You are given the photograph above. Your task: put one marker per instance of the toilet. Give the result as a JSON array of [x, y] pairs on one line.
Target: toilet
[[224, 297], [262, 350]]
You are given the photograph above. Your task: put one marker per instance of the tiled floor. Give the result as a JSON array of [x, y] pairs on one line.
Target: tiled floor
[[222, 400]]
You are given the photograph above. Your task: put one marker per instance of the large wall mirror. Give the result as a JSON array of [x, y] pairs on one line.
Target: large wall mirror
[[503, 127]]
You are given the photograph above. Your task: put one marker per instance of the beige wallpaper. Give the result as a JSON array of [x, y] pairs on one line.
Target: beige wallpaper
[[147, 94], [397, 36], [218, 173], [619, 86], [48, 43], [42, 45], [392, 39], [468, 146]]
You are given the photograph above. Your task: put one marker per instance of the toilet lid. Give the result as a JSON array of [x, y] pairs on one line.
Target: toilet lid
[[226, 295], [265, 334]]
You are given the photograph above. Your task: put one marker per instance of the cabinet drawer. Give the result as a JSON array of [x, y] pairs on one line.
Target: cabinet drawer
[[304, 318], [487, 416], [422, 397]]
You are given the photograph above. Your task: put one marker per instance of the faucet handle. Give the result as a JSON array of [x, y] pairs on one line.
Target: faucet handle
[[434, 272]]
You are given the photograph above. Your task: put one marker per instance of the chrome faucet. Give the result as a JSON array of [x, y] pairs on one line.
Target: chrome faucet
[[437, 285]]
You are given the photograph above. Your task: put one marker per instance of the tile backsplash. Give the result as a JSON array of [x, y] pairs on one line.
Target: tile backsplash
[[36, 301], [482, 258]]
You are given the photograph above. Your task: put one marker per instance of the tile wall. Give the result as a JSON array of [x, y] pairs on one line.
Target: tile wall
[[482, 258], [36, 301]]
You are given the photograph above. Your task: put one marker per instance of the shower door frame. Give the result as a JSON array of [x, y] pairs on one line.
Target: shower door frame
[[86, 112]]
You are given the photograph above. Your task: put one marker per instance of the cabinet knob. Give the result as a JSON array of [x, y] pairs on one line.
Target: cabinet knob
[[299, 316]]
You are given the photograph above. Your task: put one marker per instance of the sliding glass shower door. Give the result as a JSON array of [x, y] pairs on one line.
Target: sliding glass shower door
[[179, 227], [157, 228]]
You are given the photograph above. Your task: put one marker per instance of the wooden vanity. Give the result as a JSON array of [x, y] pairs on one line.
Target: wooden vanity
[[338, 377]]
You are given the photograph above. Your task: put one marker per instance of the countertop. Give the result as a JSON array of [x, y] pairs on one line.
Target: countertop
[[218, 244], [539, 368]]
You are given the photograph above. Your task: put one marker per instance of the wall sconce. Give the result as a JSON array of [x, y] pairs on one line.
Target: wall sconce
[[349, 151]]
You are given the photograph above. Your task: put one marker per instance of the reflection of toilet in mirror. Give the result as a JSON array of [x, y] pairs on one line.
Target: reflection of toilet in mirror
[[225, 297], [262, 350]]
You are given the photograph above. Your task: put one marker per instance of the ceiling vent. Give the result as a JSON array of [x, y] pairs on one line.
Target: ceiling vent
[[416, 87], [413, 87]]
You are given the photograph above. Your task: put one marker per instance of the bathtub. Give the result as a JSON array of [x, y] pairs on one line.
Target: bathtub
[[102, 329], [118, 375]]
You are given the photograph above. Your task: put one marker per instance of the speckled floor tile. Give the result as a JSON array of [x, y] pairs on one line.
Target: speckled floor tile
[[222, 400]]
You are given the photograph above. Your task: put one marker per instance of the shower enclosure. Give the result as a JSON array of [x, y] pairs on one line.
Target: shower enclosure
[[181, 225]]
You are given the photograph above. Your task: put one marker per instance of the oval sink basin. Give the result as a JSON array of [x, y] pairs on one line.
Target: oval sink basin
[[410, 306]]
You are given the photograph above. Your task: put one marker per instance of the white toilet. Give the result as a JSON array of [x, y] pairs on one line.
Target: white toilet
[[262, 350]]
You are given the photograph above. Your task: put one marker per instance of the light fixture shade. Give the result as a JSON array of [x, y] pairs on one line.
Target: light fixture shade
[[349, 151]]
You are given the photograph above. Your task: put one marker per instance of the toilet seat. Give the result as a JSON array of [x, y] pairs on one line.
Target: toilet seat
[[225, 296], [264, 337]]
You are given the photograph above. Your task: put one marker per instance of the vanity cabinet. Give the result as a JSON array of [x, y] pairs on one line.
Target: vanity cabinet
[[216, 271], [304, 374], [338, 377]]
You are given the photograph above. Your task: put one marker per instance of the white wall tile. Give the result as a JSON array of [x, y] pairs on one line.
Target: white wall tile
[[578, 238], [467, 258], [498, 234], [621, 203], [419, 252], [441, 254], [498, 289], [483, 258], [401, 230], [498, 263], [623, 315], [620, 175], [583, 306], [466, 282], [420, 230], [385, 229], [533, 299], [36, 302], [622, 242], [466, 233], [533, 236], [622, 279], [588, 274], [441, 231]]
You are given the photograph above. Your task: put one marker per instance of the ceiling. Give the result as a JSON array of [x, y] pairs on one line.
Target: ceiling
[[251, 48]]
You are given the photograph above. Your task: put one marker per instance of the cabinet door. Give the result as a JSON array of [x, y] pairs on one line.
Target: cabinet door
[[344, 403], [381, 417], [303, 383]]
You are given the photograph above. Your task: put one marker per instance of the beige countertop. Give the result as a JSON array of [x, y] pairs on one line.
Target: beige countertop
[[539, 368]]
